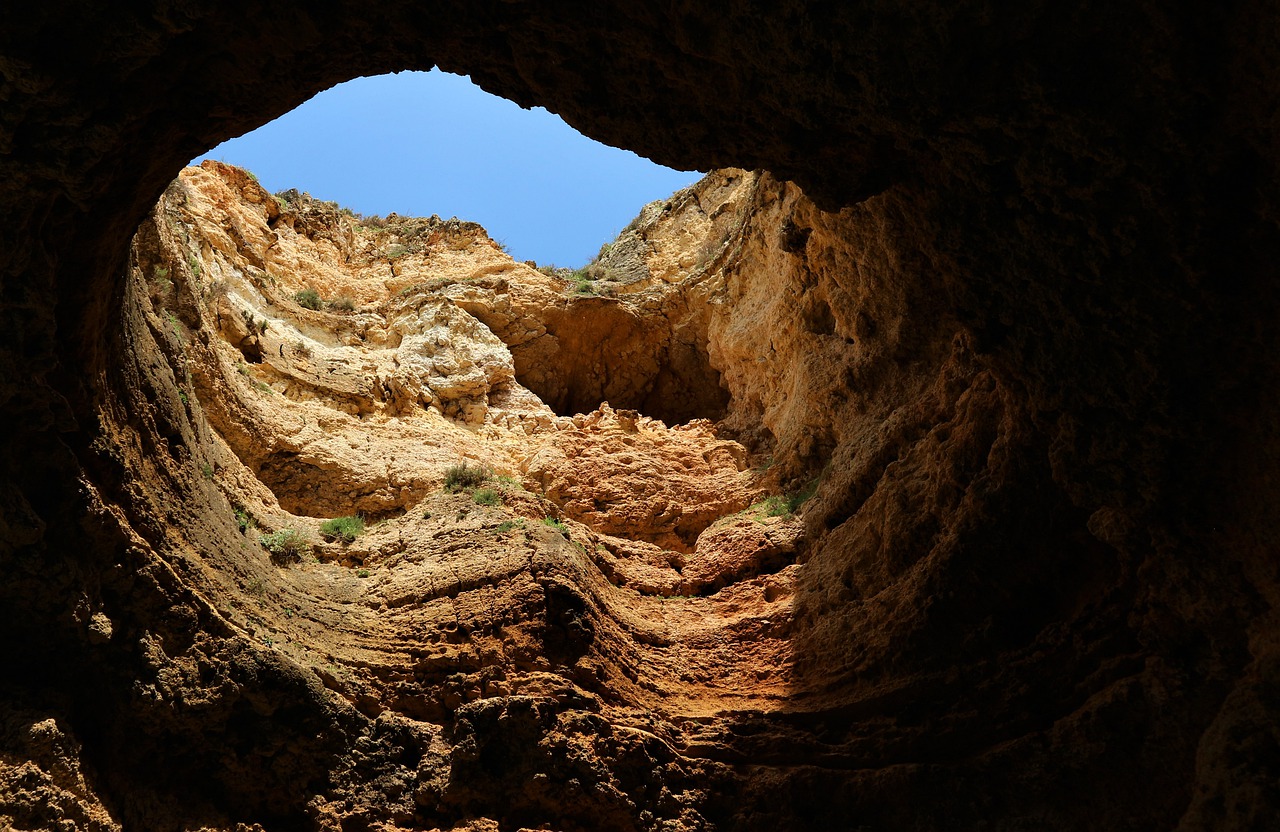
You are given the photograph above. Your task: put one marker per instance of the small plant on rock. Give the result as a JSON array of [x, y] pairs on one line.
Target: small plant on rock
[[557, 525], [244, 521], [176, 327], [160, 275], [783, 505], [583, 284], [463, 477], [309, 299], [774, 506], [486, 497], [343, 304], [283, 544], [345, 529], [252, 322]]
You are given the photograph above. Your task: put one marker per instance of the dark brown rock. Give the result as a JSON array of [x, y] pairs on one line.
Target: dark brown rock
[[1040, 581]]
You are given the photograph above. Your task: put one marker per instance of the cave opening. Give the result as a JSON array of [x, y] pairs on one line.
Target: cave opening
[[424, 143], [600, 347], [1102, 250]]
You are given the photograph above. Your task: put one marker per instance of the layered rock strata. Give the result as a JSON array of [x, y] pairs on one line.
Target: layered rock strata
[[1035, 586]]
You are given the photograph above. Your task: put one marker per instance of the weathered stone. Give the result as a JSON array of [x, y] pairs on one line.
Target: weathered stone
[[1023, 328]]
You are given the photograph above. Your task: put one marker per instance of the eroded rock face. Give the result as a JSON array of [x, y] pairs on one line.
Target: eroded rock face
[[1023, 331], [613, 564]]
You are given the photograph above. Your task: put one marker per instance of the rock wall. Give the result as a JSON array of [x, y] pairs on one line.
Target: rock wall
[[1022, 333]]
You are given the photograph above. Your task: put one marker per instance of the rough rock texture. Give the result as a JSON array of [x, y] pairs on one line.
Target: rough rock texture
[[1024, 331], [620, 589]]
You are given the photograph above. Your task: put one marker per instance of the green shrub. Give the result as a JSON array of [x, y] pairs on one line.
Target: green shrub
[[794, 501], [160, 276], [775, 506], [176, 327], [557, 525], [463, 477], [508, 525], [783, 505], [486, 497], [285, 543], [243, 520], [254, 325], [309, 299], [587, 280], [345, 529], [343, 305]]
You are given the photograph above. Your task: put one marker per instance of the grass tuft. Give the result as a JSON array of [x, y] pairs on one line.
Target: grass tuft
[[463, 477], [783, 505], [345, 529], [309, 299], [285, 543]]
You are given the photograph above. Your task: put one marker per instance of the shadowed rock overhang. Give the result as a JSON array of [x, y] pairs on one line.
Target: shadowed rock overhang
[[1016, 265]]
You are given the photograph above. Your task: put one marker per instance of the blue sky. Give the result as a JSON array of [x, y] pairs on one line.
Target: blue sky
[[423, 143]]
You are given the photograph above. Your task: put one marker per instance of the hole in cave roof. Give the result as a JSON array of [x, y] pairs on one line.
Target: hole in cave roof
[[423, 143]]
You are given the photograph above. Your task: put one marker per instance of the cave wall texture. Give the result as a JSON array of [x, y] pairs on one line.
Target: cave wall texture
[[1073, 206]]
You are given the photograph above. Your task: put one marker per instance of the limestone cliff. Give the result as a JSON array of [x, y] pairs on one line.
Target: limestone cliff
[[299, 366]]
